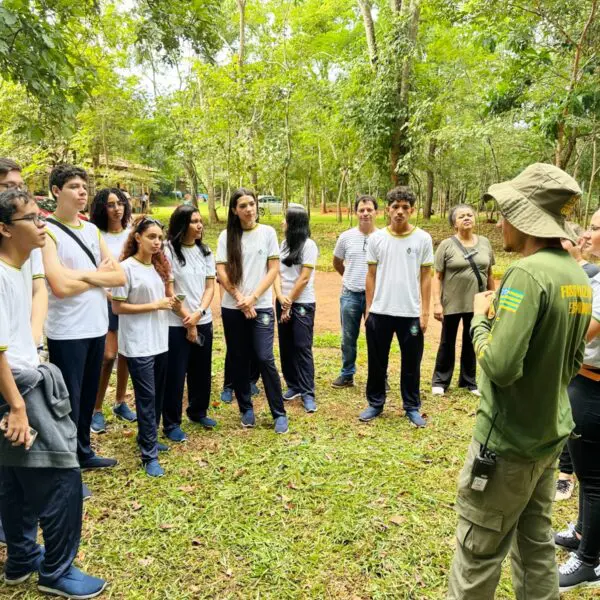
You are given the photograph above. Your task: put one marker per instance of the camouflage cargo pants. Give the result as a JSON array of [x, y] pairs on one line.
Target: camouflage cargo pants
[[512, 514]]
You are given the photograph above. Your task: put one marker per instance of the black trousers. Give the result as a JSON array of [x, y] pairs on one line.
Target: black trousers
[[380, 331], [80, 362], [149, 376], [565, 464], [54, 498], [242, 336], [444, 363], [585, 452], [295, 349], [192, 362]]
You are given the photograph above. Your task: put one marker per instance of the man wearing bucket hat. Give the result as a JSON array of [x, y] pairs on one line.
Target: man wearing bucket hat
[[529, 341]]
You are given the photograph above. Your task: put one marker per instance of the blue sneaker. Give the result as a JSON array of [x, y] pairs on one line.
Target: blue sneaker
[[254, 389], [176, 435], [204, 421], [97, 462], [162, 447], [153, 468], [281, 425], [290, 395], [85, 492], [310, 406], [122, 411], [248, 419], [98, 423], [227, 395], [75, 584], [17, 578], [414, 416], [369, 414]]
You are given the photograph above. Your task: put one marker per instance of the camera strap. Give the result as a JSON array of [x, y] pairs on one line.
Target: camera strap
[[75, 238], [469, 258]]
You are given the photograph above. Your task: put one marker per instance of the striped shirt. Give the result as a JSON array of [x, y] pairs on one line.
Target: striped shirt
[[351, 247]]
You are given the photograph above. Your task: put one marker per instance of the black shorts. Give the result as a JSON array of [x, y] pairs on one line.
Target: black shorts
[[113, 320]]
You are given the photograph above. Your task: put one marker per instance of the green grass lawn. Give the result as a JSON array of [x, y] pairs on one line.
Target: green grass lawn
[[336, 509]]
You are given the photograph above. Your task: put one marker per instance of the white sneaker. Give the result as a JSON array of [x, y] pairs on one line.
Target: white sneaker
[[564, 488], [437, 391], [476, 392]]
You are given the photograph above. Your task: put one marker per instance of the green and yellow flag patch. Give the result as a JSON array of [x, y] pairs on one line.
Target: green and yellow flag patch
[[510, 299]]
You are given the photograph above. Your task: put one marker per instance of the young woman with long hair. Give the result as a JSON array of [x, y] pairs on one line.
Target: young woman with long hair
[[247, 264], [144, 330], [295, 290], [191, 330], [111, 213]]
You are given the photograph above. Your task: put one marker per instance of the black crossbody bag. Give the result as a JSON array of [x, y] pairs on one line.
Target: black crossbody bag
[[74, 237], [469, 258]]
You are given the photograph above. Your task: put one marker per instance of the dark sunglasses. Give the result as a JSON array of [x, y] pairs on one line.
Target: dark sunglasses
[[150, 221]]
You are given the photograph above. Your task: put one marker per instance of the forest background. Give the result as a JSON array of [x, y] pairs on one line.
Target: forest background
[[314, 101]]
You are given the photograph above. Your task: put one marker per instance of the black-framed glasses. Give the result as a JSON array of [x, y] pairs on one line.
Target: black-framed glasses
[[22, 187], [37, 219]]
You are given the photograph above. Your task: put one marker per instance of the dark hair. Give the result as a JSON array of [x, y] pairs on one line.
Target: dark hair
[[178, 226], [453, 211], [99, 212], [7, 165], [159, 260], [402, 193], [234, 268], [9, 203], [296, 234], [365, 198], [63, 173]]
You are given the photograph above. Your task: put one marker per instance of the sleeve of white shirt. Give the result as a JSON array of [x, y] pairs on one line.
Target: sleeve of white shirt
[[595, 283], [427, 252], [222, 247], [211, 272], [310, 254], [171, 259], [340, 248], [373, 250], [122, 293], [4, 318], [272, 244], [37, 265]]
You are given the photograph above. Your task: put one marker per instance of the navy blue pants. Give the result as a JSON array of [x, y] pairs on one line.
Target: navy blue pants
[[228, 378], [380, 331], [80, 362], [193, 360], [241, 335], [295, 349], [149, 376], [52, 496]]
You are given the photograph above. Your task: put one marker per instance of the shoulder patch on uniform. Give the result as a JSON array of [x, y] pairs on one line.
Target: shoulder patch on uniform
[[510, 299]]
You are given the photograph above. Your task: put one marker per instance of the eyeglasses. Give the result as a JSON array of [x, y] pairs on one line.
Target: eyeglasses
[[37, 219], [13, 186]]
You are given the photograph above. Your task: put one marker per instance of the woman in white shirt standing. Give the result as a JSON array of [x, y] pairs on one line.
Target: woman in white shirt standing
[[111, 214], [247, 264], [295, 289], [191, 330], [144, 331]]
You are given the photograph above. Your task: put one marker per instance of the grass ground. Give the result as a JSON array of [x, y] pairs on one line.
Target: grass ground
[[333, 510]]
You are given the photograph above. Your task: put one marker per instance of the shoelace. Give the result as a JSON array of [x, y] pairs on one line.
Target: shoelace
[[569, 532], [571, 565], [562, 485]]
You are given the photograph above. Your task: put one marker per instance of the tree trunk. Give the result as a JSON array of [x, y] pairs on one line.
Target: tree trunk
[[322, 182], [430, 179], [242, 12], [593, 173], [338, 202], [212, 210], [365, 9]]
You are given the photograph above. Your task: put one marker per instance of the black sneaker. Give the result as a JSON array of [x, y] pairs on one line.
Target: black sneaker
[[343, 381], [568, 538], [575, 574]]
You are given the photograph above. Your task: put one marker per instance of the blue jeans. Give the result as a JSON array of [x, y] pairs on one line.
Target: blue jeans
[[352, 310]]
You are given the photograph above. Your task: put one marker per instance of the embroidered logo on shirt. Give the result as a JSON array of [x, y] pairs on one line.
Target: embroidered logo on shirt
[[510, 299], [408, 250]]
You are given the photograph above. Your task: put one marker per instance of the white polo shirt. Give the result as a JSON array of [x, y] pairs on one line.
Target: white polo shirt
[[144, 334], [116, 241], [16, 338], [85, 315], [289, 275], [258, 246], [190, 279], [399, 259]]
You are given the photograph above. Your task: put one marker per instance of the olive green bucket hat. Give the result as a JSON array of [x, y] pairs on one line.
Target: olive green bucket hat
[[538, 201]]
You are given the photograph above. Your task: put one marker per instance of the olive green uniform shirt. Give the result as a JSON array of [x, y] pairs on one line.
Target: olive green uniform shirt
[[529, 352], [459, 284]]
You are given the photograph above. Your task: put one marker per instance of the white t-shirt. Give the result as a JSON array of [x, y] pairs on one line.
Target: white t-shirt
[[190, 279], [289, 275], [399, 259], [85, 315], [145, 334], [592, 348], [258, 246], [351, 247], [116, 241], [16, 338]]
